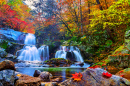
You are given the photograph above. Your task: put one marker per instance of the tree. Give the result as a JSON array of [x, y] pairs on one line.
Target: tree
[[15, 14]]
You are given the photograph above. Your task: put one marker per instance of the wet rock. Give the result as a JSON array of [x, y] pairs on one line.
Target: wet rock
[[45, 65], [7, 78], [124, 73], [2, 52], [93, 77], [25, 80], [11, 57], [7, 64], [27, 64], [56, 80], [45, 76], [70, 56], [49, 84], [36, 73], [79, 63]]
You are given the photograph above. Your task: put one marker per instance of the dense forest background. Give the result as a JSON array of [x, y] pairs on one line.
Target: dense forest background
[[97, 27]]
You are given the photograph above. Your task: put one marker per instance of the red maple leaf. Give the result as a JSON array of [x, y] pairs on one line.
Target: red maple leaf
[[97, 66], [107, 75], [121, 71], [77, 76]]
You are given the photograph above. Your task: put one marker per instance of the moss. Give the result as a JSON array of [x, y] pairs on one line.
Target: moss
[[58, 60]]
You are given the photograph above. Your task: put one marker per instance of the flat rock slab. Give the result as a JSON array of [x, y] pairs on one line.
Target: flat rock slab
[[25, 80], [49, 84]]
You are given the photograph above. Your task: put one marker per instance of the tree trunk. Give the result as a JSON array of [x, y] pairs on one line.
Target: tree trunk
[[98, 2], [81, 18]]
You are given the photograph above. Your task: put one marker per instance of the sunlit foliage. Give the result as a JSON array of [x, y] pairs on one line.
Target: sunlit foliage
[[14, 14]]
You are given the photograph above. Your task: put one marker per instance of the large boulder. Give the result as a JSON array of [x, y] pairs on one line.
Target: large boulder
[[7, 78], [124, 73], [120, 58], [94, 77], [45, 76], [127, 39], [7, 64], [25, 80]]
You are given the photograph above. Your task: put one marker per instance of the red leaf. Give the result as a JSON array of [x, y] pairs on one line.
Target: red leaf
[[107, 75], [77, 76], [97, 66]]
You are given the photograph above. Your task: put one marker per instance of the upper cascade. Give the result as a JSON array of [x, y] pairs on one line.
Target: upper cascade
[[29, 51], [30, 39]]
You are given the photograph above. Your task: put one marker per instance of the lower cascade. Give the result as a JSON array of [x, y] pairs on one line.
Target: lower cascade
[[44, 52], [75, 53], [30, 52]]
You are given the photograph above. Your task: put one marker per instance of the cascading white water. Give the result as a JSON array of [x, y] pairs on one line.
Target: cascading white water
[[44, 52], [77, 54], [63, 52], [30, 39], [29, 52]]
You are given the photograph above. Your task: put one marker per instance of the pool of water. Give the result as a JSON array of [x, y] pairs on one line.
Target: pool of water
[[58, 72]]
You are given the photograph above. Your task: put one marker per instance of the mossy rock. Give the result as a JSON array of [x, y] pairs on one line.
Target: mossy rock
[[127, 39], [58, 61], [124, 73]]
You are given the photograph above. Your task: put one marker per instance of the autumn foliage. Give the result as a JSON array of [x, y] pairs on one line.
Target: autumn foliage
[[77, 76], [10, 17]]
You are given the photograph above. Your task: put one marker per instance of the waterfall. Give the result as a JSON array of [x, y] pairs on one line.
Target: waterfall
[[62, 53], [44, 52], [77, 54], [30, 39], [29, 51]]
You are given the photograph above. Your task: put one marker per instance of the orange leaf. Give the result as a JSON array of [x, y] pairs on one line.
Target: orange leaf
[[77, 76]]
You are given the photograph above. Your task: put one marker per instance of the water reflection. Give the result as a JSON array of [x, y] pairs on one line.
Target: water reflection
[[60, 72]]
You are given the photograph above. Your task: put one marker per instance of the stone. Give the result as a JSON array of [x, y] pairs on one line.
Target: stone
[[2, 52], [7, 64], [25, 80], [120, 58], [11, 57], [45, 76], [124, 73], [36, 73], [56, 80], [49, 84], [93, 77], [127, 39], [27, 64], [7, 78], [58, 62]]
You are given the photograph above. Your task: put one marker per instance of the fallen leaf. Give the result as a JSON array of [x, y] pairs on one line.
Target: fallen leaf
[[77, 76], [106, 75]]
